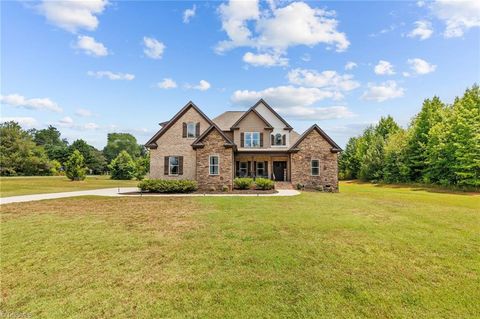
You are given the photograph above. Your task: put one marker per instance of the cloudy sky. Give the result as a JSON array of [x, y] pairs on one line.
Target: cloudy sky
[[93, 67]]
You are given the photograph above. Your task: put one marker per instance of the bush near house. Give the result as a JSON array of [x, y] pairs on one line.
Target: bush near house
[[264, 183], [167, 186], [243, 182], [123, 166]]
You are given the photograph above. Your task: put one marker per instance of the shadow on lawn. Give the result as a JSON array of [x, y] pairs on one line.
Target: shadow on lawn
[[419, 187]]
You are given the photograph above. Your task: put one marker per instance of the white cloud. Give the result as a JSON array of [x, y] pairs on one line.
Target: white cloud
[[383, 91], [295, 102], [350, 65], [458, 15], [419, 66], [420, 4], [67, 121], [384, 68], [153, 48], [264, 59], [90, 46], [167, 83], [201, 86], [90, 126], [423, 30], [328, 80], [276, 28], [83, 112], [111, 75], [74, 14], [17, 100], [189, 13], [24, 121]]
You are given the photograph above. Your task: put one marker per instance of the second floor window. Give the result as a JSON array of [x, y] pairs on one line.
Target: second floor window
[[252, 139], [191, 130]]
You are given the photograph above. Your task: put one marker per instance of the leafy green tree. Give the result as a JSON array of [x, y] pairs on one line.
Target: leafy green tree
[[54, 145], [428, 117], [142, 165], [18, 153], [395, 168], [75, 168], [349, 163], [94, 159], [118, 142], [122, 167]]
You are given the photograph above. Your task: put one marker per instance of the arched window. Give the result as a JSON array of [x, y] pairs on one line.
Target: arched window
[[278, 139]]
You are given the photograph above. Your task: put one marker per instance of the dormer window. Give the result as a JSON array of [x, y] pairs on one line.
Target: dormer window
[[278, 139], [191, 130]]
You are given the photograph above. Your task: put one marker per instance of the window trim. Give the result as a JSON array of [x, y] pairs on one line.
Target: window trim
[[194, 130], [210, 164], [275, 140], [263, 168], [317, 167], [245, 145], [240, 168], [170, 166]]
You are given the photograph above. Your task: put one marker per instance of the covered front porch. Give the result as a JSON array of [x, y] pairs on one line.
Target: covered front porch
[[275, 166]]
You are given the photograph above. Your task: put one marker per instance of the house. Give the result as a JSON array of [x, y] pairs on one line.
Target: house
[[255, 143]]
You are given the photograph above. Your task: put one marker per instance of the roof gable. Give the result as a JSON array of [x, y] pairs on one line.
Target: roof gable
[[315, 127], [225, 120], [152, 142], [262, 101], [198, 142], [250, 111]]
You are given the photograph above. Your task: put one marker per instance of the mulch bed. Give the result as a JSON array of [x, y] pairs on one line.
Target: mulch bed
[[235, 191]]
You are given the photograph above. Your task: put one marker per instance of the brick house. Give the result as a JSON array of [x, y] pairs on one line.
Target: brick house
[[255, 143]]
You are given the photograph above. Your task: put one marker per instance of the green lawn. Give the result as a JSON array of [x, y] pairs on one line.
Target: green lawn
[[13, 186], [368, 252]]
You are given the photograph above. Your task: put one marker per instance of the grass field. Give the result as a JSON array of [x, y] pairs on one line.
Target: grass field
[[369, 251], [13, 186]]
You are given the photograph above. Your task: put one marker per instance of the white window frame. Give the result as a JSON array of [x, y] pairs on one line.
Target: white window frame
[[210, 165], [170, 165], [317, 167], [263, 168], [245, 169], [251, 135], [189, 126]]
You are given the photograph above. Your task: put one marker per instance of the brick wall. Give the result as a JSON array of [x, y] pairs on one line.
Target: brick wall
[[171, 143], [214, 146], [314, 147]]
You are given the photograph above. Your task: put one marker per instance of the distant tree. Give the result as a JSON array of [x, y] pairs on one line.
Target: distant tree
[[75, 168], [142, 165], [54, 145], [349, 163], [19, 155], [122, 167], [94, 159], [118, 142], [395, 168]]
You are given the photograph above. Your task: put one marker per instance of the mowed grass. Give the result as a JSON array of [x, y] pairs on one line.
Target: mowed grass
[[367, 252], [13, 186]]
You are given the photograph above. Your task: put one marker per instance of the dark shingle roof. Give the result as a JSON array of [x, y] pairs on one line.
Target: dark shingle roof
[[225, 120]]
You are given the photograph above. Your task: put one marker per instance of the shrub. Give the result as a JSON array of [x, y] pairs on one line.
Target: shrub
[[123, 166], [243, 182], [299, 186], [225, 188], [141, 168], [75, 167], [264, 183], [167, 186]]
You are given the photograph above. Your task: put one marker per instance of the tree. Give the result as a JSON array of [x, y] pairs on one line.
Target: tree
[[75, 168], [118, 142], [349, 163], [142, 165], [122, 167], [18, 153], [48, 136], [395, 168], [94, 159]]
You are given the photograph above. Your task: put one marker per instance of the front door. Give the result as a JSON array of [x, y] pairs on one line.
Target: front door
[[279, 168]]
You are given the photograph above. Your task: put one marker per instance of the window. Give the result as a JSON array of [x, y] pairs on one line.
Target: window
[[278, 139], [214, 165], [252, 139], [173, 165], [260, 168], [243, 168], [191, 128], [315, 167]]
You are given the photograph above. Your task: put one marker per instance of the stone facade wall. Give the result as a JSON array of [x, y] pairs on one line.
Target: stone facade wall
[[171, 143], [214, 146], [314, 147]]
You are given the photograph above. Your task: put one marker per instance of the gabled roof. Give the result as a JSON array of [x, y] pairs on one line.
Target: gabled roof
[[152, 142], [198, 142], [250, 110], [262, 101], [225, 120], [335, 148]]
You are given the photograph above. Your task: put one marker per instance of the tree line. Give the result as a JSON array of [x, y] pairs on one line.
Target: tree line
[[440, 146], [45, 152]]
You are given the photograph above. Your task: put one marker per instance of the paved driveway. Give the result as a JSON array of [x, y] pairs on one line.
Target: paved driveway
[[119, 191]]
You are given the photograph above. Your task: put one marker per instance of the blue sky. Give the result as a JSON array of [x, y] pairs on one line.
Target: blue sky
[[95, 67]]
